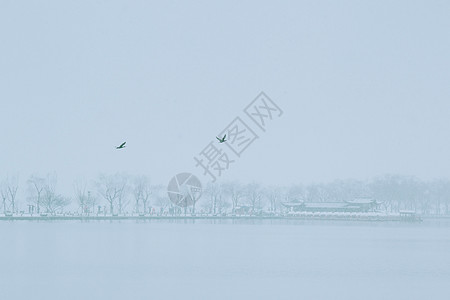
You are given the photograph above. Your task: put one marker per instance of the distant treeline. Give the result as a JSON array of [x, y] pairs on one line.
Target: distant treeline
[[123, 194]]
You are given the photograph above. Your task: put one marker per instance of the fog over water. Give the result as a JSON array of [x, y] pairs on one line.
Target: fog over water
[[224, 260]]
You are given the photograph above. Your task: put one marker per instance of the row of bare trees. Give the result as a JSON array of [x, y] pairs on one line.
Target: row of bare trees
[[113, 190], [119, 194], [218, 198]]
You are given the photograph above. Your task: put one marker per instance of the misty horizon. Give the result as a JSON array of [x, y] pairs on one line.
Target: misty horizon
[[224, 150], [359, 100]]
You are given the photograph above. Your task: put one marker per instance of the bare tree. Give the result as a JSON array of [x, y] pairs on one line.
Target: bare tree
[[213, 193], [254, 196], [4, 195], [36, 186], [50, 200], [81, 194], [112, 189], [161, 198], [92, 201], [13, 186], [53, 202], [273, 194], [142, 192], [123, 200], [8, 192], [294, 193], [86, 200], [318, 193], [236, 192]]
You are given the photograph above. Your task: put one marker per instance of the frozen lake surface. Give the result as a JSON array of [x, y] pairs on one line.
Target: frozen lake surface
[[210, 259]]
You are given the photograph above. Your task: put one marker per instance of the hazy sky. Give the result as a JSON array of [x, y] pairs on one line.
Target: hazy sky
[[364, 87]]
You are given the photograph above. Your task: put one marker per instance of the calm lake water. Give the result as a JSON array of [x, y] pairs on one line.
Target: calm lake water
[[209, 259]]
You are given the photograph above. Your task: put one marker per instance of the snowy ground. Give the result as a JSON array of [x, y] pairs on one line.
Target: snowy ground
[[271, 259]]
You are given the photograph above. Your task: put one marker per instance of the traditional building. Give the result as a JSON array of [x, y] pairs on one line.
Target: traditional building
[[357, 205]]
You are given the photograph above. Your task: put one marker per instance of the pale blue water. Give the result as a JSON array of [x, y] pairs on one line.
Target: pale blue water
[[224, 260]]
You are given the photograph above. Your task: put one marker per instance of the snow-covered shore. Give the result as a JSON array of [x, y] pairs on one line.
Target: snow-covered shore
[[372, 216]]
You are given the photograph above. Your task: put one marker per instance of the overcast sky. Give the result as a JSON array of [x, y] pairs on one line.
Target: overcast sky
[[364, 87]]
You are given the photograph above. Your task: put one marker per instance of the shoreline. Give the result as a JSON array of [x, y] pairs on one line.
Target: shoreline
[[365, 218]]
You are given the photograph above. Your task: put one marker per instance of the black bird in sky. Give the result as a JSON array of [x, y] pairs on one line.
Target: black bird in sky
[[222, 139], [121, 146]]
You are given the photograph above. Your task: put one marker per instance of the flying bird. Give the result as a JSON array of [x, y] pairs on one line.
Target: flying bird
[[221, 140], [121, 146]]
